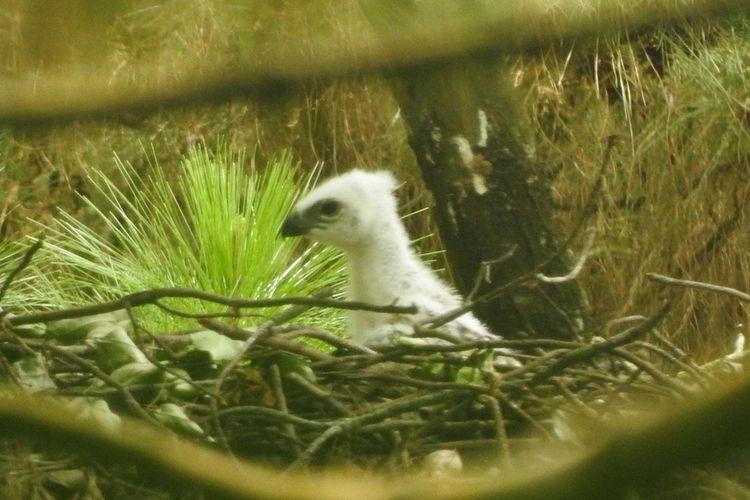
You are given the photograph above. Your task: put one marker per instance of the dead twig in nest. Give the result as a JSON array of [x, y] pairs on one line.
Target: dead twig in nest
[[275, 398], [725, 290], [153, 297]]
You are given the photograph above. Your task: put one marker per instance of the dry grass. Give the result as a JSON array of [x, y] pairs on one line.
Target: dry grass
[[675, 194]]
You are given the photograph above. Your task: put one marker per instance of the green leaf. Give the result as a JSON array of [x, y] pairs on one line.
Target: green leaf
[[219, 347], [77, 329], [468, 374], [178, 385], [38, 330], [174, 417], [137, 373], [71, 479], [290, 363], [32, 373], [114, 347], [95, 409]]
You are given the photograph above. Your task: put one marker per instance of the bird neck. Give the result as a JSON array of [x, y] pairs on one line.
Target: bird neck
[[377, 266]]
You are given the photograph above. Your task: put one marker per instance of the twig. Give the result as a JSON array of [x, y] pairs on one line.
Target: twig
[[168, 369], [231, 313], [213, 405], [252, 337], [401, 405], [666, 280], [327, 337], [497, 31], [421, 332], [94, 370], [699, 375], [133, 388], [224, 373], [261, 332], [576, 326], [303, 350], [318, 393], [275, 416], [592, 350], [525, 415], [278, 391], [470, 425], [525, 344], [676, 351], [485, 269], [390, 409], [150, 297], [647, 367], [416, 382], [9, 370], [25, 261], [307, 455], [501, 435], [575, 271], [542, 361], [594, 196], [574, 399]]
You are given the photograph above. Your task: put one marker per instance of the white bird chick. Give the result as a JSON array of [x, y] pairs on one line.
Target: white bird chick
[[357, 213]]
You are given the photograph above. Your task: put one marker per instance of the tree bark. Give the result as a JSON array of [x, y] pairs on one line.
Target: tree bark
[[477, 158]]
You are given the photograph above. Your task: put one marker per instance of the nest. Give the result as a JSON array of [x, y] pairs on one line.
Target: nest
[[294, 396]]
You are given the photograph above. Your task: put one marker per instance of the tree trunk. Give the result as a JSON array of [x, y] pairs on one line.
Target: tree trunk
[[477, 158]]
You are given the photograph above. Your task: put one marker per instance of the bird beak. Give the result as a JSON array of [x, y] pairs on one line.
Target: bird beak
[[296, 224]]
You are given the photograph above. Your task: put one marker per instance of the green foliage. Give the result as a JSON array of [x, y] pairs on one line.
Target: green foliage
[[215, 229], [11, 255], [709, 84]]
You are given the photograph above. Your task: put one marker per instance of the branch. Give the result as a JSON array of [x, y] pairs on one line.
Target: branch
[[666, 280], [282, 344], [590, 351], [501, 434], [216, 475], [573, 274], [386, 410], [273, 415], [491, 30], [636, 455], [25, 261], [323, 335], [687, 435], [94, 370], [151, 297], [277, 387], [485, 270]]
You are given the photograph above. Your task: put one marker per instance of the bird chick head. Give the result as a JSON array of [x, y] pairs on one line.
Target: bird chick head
[[344, 211]]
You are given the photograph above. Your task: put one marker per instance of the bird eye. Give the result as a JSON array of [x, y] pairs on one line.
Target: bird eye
[[329, 208]]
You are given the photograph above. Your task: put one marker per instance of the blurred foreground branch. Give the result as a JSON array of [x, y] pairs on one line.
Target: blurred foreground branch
[[496, 28], [690, 435]]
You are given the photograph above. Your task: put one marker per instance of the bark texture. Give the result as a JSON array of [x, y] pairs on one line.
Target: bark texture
[[490, 194]]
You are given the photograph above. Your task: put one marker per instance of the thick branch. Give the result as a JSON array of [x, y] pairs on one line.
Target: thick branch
[[151, 297], [693, 434], [527, 26]]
